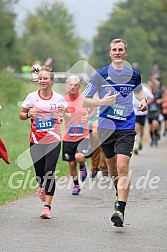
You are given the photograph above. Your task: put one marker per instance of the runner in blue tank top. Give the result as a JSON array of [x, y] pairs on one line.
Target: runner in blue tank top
[[115, 85]]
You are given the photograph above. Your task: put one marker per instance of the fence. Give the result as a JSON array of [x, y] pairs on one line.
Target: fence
[[60, 77]]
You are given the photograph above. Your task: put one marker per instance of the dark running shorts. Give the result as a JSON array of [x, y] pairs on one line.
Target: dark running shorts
[[141, 119], [71, 148], [150, 120], [165, 117], [116, 142]]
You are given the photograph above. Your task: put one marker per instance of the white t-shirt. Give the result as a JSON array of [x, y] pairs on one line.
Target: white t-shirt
[[45, 125], [136, 102]]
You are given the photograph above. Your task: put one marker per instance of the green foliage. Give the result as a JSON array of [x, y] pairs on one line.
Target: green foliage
[[143, 25], [10, 88], [50, 33], [7, 32], [153, 19], [164, 5], [135, 54]]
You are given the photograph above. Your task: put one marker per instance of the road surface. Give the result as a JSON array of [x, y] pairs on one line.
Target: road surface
[[82, 223]]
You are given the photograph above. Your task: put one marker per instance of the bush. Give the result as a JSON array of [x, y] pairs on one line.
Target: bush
[[10, 88]]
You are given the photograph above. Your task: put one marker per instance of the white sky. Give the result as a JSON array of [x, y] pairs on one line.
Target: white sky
[[87, 13]]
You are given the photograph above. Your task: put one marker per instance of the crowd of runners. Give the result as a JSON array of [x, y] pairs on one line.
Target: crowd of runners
[[104, 123]]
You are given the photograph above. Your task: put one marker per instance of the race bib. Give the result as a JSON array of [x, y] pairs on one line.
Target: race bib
[[153, 107], [75, 130], [45, 124], [118, 112]]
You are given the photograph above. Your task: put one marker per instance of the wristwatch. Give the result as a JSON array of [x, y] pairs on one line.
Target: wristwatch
[[144, 99], [27, 115]]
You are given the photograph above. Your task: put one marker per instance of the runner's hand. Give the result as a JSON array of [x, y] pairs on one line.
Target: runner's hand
[[108, 99], [143, 105], [32, 112], [84, 118]]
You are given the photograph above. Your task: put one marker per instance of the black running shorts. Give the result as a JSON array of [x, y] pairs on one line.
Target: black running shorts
[[116, 142]]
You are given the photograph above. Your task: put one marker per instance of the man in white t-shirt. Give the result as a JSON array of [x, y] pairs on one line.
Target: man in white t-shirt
[[140, 119]]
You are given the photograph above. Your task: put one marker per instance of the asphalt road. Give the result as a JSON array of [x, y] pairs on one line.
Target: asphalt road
[[82, 223]]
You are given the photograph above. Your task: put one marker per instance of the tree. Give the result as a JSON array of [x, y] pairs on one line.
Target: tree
[[143, 25], [153, 19], [164, 7], [49, 32], [7, 37], [115, 28]]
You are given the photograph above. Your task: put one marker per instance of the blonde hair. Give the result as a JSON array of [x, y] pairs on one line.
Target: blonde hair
[[47, 69], [118, 40], [155, 81]]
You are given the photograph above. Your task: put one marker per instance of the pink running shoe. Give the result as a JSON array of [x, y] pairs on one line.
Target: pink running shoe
[[76, 190], [41, 193], [45, 214]]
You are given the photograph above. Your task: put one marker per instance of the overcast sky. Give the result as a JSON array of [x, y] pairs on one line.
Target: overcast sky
[[87, 13]]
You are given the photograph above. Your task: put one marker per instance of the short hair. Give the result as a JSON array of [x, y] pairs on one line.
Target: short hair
[[118, 40], [155, 81], [73, 77]]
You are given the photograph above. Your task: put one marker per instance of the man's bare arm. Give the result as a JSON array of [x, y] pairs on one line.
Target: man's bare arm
[[107, 100]]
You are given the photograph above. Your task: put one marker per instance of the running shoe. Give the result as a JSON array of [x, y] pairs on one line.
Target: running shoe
[[76, 190], [116, 203], [154, 142], [94, 173], [41, 193], [136, 151], [83, 173], [140, 146], [165, 132], [105, 174], [117, 218], [158, 136], [45, 214]]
